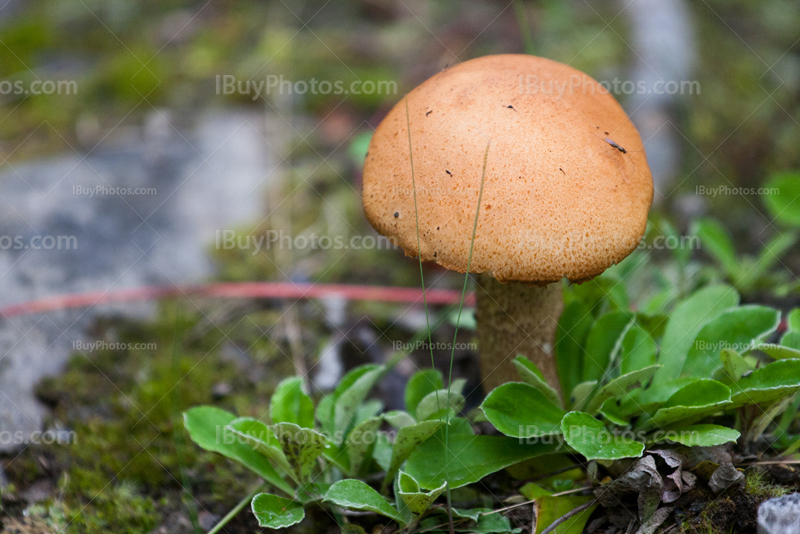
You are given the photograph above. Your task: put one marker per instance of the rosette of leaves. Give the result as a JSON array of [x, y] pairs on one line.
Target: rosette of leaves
[[636, 379], [324, 455]]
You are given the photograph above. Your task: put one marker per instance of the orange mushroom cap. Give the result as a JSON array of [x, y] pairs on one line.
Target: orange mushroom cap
[[567, 187]]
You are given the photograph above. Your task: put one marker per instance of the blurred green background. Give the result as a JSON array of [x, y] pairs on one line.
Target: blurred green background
[[131, 57]]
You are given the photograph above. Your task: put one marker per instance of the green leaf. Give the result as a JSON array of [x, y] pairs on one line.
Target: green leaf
[[548, 509], [638, 350], [778, 352], [791, 340], [530, 374], [699, 435], [382, 454], [206, 426], [367, 410], [324, 413], [312, 493], [353, 494], [681, 254], [436, 404], [408, 439], [413, 497], [461, 425], [336, 412], [770, 383], [522, 411], [361, 442], [653, 325], [398, 419], [276, 512], [613, 413], [604, 338], [740, 328], [533, 491], [481, 521], [781, 199], [602, 293], [469, 458], [421, 384], [685, 322], [290, 404], [301, 446], [717, 243], [770, 255], [348, 400], [581, 394], [734, 366], [262, 439], [471, 514], [793, 320], [573, 327], [691, 403], [490, 524], [620, 386], [589, 437], [652, 398]]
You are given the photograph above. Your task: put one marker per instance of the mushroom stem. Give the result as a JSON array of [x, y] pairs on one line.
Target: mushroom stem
[[516, 319]]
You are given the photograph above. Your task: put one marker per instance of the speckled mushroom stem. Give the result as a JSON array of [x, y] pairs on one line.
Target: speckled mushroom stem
[[516, 319]]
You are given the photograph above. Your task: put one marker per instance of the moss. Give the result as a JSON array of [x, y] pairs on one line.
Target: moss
[[118, 508], [733, 511], [129, 459], [758, 485]]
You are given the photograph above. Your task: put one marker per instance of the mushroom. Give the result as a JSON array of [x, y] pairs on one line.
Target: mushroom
[[566, 194]]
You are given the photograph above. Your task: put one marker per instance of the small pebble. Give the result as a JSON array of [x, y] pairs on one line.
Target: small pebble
[[221, 389], [780, 515]]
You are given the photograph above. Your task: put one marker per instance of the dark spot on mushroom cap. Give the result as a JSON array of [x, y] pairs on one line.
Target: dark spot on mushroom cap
[[396, 214], [448, 172], [437, 227], [428, 113]]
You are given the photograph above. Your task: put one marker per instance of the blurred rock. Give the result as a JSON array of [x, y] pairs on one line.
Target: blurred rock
[[662, 34], [179, 189], [780, 516]]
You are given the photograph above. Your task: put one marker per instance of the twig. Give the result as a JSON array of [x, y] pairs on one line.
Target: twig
[[576, 490], [571, 513]]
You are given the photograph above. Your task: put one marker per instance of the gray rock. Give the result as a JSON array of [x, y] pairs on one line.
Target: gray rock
[[662, 34], [197, 182], [780, 516]]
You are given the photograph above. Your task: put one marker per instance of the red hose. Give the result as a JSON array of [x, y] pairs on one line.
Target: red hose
[[265, 290]]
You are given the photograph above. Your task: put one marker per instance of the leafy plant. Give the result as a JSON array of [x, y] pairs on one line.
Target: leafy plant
[[750, 273], [747, 273], [322, 456], [635, 382]]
